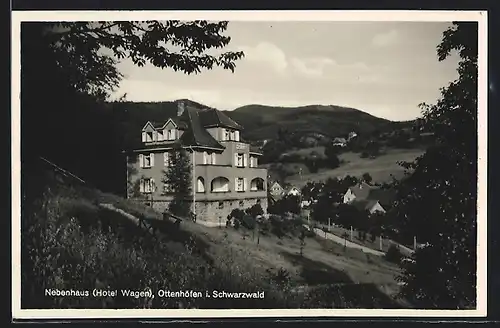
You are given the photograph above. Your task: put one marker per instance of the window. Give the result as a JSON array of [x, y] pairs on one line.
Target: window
[[237, 135], [167, 158], [253, 161], [209, 158], [147, 185], [221, 205], [200, 185], [171, 134], [240, 184], [220, 184], [232, 135], [227, 135], [160, 135], [146, 161], [239, 160], [214, 156], [148, 136], [168, 188], [257, 184]]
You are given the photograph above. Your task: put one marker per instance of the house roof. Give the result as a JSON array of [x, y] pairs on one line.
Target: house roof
[[290, 188], [180, 124], [196, 134], [362, 190], [255, 149], [215, 118], [386, 197], [364, 204]]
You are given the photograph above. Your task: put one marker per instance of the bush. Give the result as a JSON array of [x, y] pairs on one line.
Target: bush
[[248, 222], [255, 210], [393, 254]]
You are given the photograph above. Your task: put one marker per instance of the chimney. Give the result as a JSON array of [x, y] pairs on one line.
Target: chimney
[[180, 107]]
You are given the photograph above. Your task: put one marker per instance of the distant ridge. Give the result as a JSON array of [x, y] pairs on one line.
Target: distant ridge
[[260, 121]]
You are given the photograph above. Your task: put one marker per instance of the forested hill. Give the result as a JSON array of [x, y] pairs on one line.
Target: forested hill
[[263, 122]]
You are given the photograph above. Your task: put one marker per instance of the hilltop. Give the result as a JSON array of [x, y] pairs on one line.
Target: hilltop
[[261, 122]]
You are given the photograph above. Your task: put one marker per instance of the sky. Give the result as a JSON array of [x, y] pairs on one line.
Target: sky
[[383, 68]]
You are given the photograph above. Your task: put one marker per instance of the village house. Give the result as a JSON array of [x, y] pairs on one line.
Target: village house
[[292, 191], [275, 189], [369, 198], [224, 169]]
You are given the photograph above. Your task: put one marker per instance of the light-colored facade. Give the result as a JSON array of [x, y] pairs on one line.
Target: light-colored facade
[[225, 174]]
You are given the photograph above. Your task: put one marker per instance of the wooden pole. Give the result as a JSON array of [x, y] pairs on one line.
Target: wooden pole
[[380, 239], [414, 243], [194, 183], [329, 223], [351, 233]]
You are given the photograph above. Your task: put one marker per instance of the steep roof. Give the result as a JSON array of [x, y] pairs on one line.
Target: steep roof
[[386, 197], [361, 191], [364, 204], [215, 118], [177, 120], [196, 135]]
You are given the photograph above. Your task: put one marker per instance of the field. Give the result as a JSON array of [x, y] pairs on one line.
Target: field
[[381, 169]]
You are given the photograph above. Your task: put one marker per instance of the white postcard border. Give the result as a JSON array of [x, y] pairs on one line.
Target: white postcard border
[[379, 15]]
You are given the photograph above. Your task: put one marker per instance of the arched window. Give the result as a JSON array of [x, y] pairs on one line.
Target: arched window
[[257, 184], [220, 184], [200, 184]]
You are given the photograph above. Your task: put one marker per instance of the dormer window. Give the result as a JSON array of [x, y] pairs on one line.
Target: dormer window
[[170, 134], [160, 135], [230, 135], [147, 136]]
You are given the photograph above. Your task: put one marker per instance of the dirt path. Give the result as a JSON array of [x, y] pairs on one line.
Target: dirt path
[[347, 243]]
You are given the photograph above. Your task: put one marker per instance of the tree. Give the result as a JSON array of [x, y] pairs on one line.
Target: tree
[[177, 179], [80, 59], [367, 177], [438, 200], [255, 210]]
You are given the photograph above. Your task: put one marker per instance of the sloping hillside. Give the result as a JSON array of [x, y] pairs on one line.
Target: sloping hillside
[[71, 242]]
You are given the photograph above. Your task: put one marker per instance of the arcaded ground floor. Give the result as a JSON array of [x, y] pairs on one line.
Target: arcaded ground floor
[[214, 212]]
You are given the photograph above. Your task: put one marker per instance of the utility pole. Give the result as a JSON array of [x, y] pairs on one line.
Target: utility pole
[[414, 243], [351, 233], [329, 221], [194, 181], [380, 239]]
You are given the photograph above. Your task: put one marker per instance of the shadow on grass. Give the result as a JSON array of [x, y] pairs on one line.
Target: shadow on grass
[[328, 285], [315, 272], [165, 231]]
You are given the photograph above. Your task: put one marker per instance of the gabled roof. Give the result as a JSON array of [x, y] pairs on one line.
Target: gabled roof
[[361, 191], [364, 204], [177, 121], [271, 183], [215, 118], [290, 188], [386, 197]]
